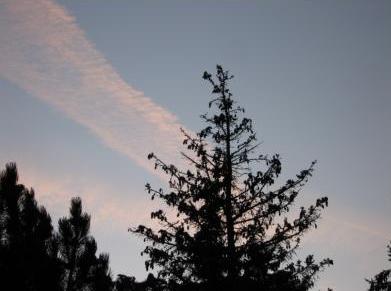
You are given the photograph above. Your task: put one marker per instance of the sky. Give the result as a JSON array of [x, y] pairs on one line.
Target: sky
[[89, 88]]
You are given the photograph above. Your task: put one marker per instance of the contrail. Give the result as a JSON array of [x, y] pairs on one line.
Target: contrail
[[44, 52]]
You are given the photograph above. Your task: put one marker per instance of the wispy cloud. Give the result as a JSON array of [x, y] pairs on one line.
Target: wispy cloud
[[55, 193], [44, 52]]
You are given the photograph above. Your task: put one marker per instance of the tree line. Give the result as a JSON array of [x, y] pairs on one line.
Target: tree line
[[234, 226]]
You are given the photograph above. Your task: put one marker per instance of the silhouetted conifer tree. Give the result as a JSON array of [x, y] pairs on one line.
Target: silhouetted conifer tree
[[77, 249], [231, 229], [100, 275], [27, 261], [382, 281], [125, 283]]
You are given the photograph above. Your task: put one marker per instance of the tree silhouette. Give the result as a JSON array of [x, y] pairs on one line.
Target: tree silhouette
[[382, 281], [26, 260], [33, 257], [100, 275], [231, 229], [126, 283], [77, 249]]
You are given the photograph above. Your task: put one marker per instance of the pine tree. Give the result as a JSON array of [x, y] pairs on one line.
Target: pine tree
[[382, 281], [77, 251], [26, 237], [125, 283], [100, 275], [231, 229]]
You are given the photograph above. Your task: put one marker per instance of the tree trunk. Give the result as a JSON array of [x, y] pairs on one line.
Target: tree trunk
[[228, 203]]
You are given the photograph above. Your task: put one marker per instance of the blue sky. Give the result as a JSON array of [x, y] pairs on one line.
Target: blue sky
[[89, 87]]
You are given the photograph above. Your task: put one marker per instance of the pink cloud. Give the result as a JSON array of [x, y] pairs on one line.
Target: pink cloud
[[55, 193], [45, 53]]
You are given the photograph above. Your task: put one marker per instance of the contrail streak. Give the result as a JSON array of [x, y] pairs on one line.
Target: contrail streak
[[44, 52]]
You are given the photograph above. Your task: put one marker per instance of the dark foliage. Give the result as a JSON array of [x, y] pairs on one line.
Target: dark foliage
[[231, 229], [33, 257], [83, 270], [26, 238], [126, 283], [382, 281]]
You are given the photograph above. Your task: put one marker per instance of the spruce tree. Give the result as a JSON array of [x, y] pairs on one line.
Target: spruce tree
[[231, 229]]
